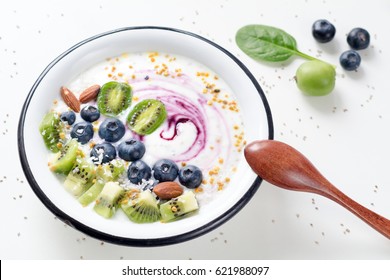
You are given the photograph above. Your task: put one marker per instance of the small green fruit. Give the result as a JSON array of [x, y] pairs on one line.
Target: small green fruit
[[316, 78]]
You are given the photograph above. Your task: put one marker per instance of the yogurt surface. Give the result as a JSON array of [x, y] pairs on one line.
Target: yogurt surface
[[204, 125]]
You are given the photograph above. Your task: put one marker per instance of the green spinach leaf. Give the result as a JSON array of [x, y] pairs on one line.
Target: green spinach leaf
[[267, 43]]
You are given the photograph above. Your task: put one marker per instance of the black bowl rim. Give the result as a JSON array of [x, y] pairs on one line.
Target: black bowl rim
[[124, 240]]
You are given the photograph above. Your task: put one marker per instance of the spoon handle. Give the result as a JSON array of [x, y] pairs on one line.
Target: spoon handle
[[381, 224], [285, 167]]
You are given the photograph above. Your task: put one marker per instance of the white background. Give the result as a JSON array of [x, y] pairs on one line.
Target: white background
[[345, 134]]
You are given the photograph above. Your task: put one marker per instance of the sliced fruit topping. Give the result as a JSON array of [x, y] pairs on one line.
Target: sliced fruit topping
[[50, 129], [190, 176], [165, 170], [146, 116], [131, 150], [65, 159], [112, 130], [90, 113], [82, 131], [138, 171], [80, 177], [110, 171], [114, 98], [92, 193], [140, 207], [179, 206], [107, 201]]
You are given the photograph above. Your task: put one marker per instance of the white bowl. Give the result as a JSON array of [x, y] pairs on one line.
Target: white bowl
[[33, 154]]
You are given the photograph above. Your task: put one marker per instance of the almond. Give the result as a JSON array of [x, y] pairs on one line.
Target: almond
[[89, 94], [70, 99], [168, 190]]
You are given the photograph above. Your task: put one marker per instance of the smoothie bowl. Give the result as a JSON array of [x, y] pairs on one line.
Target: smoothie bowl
[[136, 136]]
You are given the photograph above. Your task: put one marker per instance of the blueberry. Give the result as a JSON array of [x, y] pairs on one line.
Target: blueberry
[[82, 131], [90, 113], [165, 170], [137, 171], [131, 150], [69, 117], [323, 31], [358, 38], [350, 60], [190, 176], [111, 130], [102, 153]]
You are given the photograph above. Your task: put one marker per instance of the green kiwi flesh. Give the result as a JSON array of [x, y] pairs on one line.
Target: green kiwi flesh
[[146, 116], [110, 171], [107, 201], [50, 129], [92, 193], [140, 207], [80, 177], [179, 206], [104, 173], [64, 160], [114, 98]]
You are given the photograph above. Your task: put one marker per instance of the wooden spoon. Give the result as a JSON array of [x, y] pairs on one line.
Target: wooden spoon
[[285, 167]]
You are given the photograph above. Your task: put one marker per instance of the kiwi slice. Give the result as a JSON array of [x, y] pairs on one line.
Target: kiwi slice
[[80, 177], [50, 129], [104, 173], [64, 160], [110, 171], [146, 116], [140, 207], [92, 193], [114, 98], [107, 202], [179, 206]]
